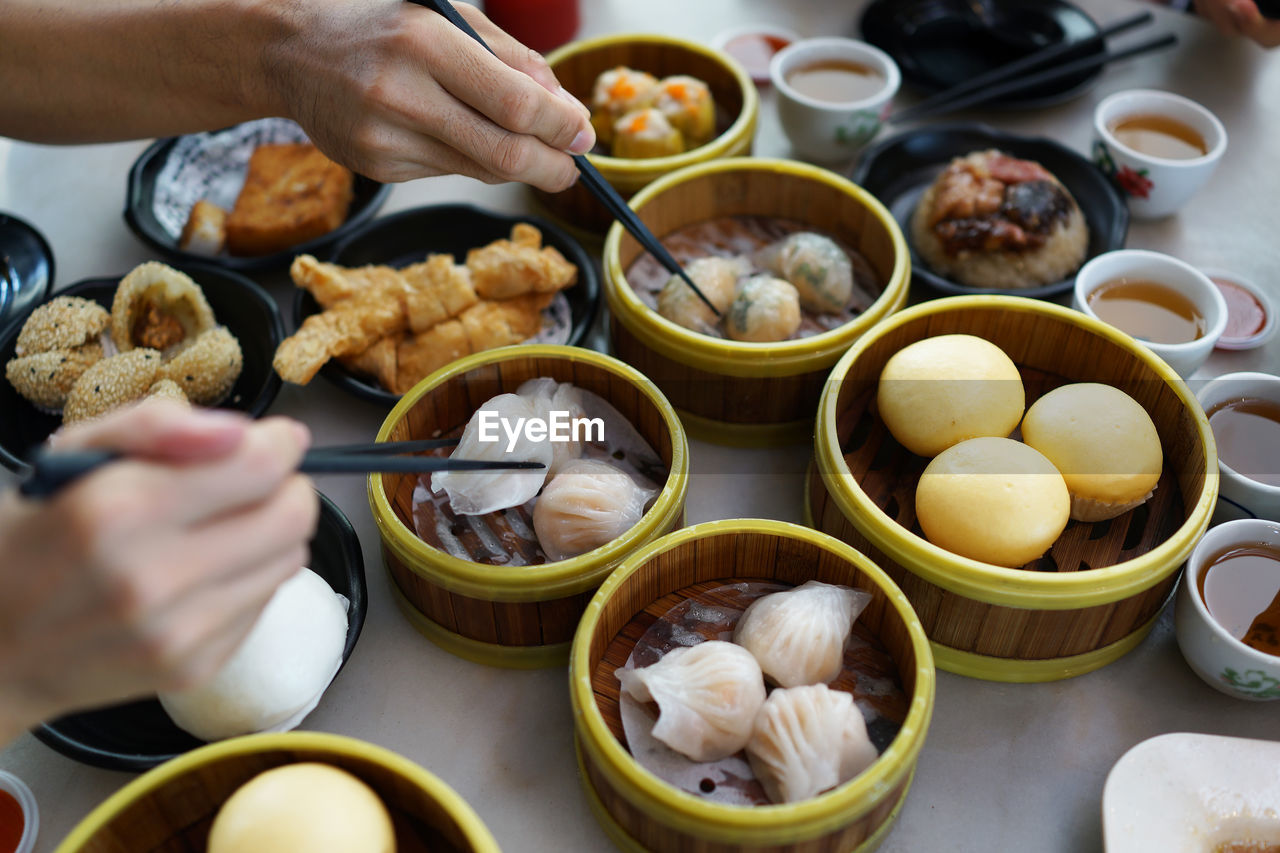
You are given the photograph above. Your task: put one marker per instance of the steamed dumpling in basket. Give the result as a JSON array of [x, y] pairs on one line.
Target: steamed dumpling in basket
[[798, 635]]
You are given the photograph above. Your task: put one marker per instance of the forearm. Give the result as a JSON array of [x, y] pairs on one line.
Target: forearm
[[99, 70]]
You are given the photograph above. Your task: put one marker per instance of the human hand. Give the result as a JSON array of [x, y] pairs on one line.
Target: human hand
[[1241, 18], [395, 92], [148, 573]]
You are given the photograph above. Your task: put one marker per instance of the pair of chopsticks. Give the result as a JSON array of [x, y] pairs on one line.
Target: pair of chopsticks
[[53, 470], [591, 178], [1021, 74]]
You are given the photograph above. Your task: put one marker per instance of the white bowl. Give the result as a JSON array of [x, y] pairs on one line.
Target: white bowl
[[827, 131], [1268, 304], [1155, 186], [1223, 662], [30, 813], [1186, 358], [1244, 496]]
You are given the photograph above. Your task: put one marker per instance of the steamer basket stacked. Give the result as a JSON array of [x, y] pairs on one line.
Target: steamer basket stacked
[[641, 812], [735, 392], [1098, 590], [514, 616]]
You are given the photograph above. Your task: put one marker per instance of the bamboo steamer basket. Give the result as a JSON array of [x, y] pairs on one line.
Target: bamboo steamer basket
[[641, 812], [1100, 587], [514, 616], [734, 392], [170, 808], [579, 63]]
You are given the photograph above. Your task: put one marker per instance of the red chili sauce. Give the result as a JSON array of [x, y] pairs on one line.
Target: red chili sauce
[[12, 822], [754, 51], [1245, 314]]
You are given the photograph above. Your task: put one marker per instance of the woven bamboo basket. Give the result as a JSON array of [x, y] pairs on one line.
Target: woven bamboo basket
[[731, 392], [169, 809], [514, 616], [577, 65], [1098, 590], [640, 811]]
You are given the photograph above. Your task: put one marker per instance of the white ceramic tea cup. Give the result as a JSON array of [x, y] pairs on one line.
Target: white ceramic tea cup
[[1155, 186], [831, 131], [1222, 661], [1244, 495], [1139, 264]]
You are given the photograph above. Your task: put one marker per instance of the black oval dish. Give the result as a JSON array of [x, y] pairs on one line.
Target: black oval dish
[[368, 196], [239, 304], [26, 268], [409, 236], [900, 169], [137, 736], [939, 42]]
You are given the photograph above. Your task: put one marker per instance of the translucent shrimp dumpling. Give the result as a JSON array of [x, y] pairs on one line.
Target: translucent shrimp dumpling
[[717, 278], [763, 309], [798, 635], [816, 265], [479, 492], [587, 504], [807, 740], [688, 105], [708, 697], [557, 402], [646, 133], [616, 92]]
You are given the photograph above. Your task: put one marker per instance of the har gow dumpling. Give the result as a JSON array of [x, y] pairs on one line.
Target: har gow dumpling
[[816, 266], [708, 698], [807, 740], [717, 278], [547, 396], [479, 492], [587, 504], [798, 635]]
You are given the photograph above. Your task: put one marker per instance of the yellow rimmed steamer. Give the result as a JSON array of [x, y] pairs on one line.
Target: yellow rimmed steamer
[[170, 808], [1100, 587], [641, 812], [514, 616], [735, 392], [579, 63]]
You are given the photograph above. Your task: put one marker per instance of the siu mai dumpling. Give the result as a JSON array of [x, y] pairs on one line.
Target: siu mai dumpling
[[479, 492], [587, 504], [708, 698], [764, 309], [688, 105], [617, 92], [646, 133], [798, 635], [807, 740], [816, 266], [717, 278]]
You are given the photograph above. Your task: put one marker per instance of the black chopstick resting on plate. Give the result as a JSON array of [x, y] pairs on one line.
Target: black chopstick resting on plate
[[1010, 70], [1047, 75], [591, 178], [53, 470]]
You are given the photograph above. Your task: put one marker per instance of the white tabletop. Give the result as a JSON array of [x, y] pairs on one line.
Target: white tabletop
[[1005, 767]]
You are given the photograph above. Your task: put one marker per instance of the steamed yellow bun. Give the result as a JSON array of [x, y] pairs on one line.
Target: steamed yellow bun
[[943, 390], [992, 499], [1102, 441], [303, 808]]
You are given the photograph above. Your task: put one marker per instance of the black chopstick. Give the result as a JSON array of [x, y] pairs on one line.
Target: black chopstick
[[1048, 75], [1018, 66], [53, 470], [390, 448], [592, 179]]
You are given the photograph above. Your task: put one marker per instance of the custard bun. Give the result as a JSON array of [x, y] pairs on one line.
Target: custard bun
[[943, 390], [1104, 444], [992, 499]]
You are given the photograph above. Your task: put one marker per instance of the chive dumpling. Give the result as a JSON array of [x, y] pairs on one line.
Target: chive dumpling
[[816, 266]]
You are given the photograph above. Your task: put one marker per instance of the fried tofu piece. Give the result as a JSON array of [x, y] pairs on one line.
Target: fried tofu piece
[[292, 193], [508, 268], [378, 361], [437, 290], [419, 356], [206, 230]]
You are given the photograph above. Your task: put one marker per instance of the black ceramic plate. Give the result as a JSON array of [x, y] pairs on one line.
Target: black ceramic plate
[[26, 268], [937, 43], [139, 215], [137, 736], [239, 304], [409, 236], [900, 169]]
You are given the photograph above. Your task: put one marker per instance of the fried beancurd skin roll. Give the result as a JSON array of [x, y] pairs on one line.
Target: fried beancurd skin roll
[[505, 269], [644, 134], [158, 307], [616, 92], [688, 105]]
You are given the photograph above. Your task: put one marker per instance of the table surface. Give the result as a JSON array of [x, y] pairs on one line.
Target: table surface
[[1005, 767]]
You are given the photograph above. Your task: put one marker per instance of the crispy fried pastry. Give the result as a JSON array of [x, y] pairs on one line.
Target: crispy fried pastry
[[377, 361], [206, 230], [292, 193], [350, 327], [421, 355], [207, 367], [45, 378], [64, 322], [110, 383], [438, 289], [509, 321], [507, 268], [157, 307]]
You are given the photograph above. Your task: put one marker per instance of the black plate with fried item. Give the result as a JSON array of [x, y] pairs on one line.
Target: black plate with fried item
[[409, 236], [938, 43], [368, 197], [136, 736], [243, 307], [900, 169], [26, 268]]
